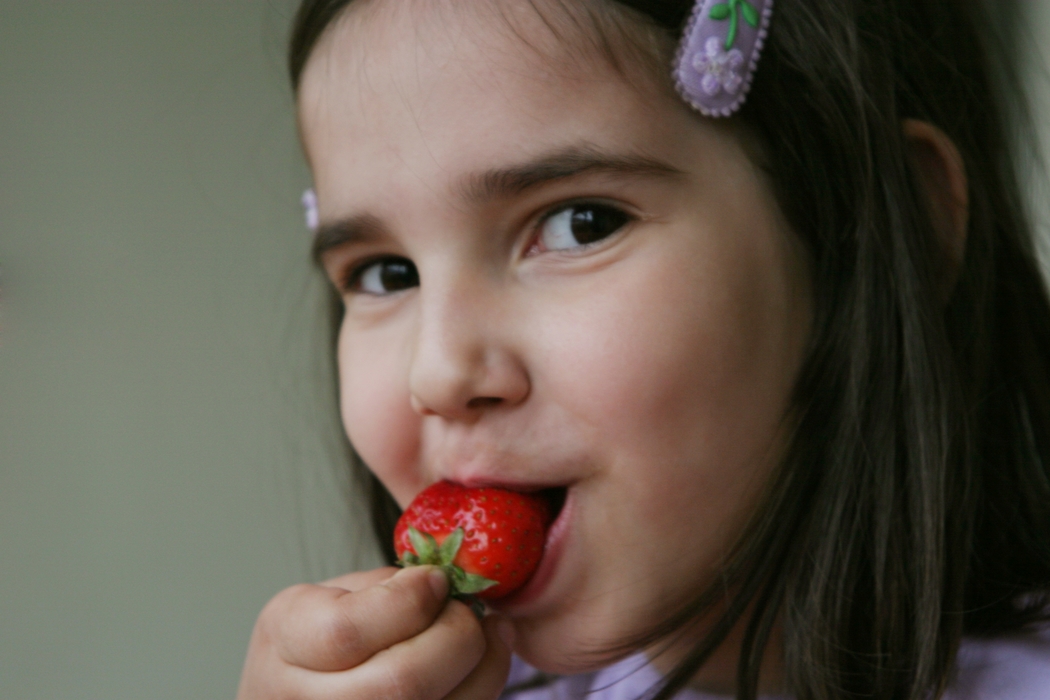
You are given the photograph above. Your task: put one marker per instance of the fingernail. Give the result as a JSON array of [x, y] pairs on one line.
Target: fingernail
[[505, 630], [438, 583]]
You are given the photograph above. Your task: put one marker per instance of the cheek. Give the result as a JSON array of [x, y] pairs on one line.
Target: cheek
[[378, 417], [682, 370], [675, 348]]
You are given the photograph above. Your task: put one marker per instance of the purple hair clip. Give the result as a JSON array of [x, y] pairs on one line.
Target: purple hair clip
[[719, 53]]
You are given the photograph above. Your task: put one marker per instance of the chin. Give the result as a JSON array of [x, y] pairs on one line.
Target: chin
[[557, 647]]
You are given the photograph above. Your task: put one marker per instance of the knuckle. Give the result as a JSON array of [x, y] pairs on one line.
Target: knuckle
[[404, 684], [277, 609], [346, 635]]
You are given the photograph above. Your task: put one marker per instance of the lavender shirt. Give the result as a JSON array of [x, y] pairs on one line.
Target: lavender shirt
[[1006, 668]]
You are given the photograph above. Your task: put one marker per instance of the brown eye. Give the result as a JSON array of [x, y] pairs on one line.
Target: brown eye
[[581, 225], [384, 276]]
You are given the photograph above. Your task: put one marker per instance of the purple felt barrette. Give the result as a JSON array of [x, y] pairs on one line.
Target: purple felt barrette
[[719, 53]]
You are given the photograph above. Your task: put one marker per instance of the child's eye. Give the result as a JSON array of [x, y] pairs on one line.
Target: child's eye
[[383, 276], [580, 225]]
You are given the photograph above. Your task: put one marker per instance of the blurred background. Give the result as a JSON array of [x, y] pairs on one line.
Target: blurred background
[[166, 462]]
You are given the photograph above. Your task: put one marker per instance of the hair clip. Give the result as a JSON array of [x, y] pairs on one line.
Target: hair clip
[[719, 53], [309, 200]]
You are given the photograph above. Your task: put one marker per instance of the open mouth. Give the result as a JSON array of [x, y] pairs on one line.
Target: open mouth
[[555, 498]]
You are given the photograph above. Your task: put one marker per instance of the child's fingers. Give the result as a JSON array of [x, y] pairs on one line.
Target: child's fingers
[[426, 667], [359, 580], [489, 677], [331, 629]]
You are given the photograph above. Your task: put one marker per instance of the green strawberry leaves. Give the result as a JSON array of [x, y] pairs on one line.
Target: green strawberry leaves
[[450, 546], [465, 583], [429, 552], [425, 545]]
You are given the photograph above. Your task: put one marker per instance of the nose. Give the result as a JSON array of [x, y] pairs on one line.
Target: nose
[[464, 361]]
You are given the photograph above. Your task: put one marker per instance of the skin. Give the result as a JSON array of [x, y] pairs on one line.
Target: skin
[[649, 372]]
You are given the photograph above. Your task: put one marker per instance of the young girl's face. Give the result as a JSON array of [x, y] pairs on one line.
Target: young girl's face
[[555, 275]]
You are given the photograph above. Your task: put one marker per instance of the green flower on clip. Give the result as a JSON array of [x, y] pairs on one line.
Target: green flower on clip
[[731, 10]]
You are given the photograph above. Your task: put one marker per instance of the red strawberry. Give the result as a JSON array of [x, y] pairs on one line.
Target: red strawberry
[[488, 540]]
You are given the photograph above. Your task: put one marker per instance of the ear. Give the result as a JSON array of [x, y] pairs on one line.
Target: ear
[[942, 173]]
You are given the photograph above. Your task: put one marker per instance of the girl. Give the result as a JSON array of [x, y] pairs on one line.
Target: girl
[[784, 366]]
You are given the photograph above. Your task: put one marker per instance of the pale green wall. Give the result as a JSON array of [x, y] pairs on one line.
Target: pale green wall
[[159, 436], [155, 398]]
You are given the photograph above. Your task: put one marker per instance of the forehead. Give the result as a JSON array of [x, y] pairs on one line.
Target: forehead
[[427, 88]]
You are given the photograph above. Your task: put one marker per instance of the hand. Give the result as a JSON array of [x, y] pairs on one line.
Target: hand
[[386, 633]]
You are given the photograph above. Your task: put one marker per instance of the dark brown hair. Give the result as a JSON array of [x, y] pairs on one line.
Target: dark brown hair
[[913, 504]]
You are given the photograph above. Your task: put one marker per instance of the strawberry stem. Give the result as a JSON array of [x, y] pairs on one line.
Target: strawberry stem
[[428, 552]]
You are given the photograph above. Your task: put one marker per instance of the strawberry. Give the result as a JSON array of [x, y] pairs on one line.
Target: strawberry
[[488, 540]]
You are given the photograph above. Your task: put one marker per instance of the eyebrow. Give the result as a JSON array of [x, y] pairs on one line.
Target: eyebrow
[[353, 229], [504, 183]]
